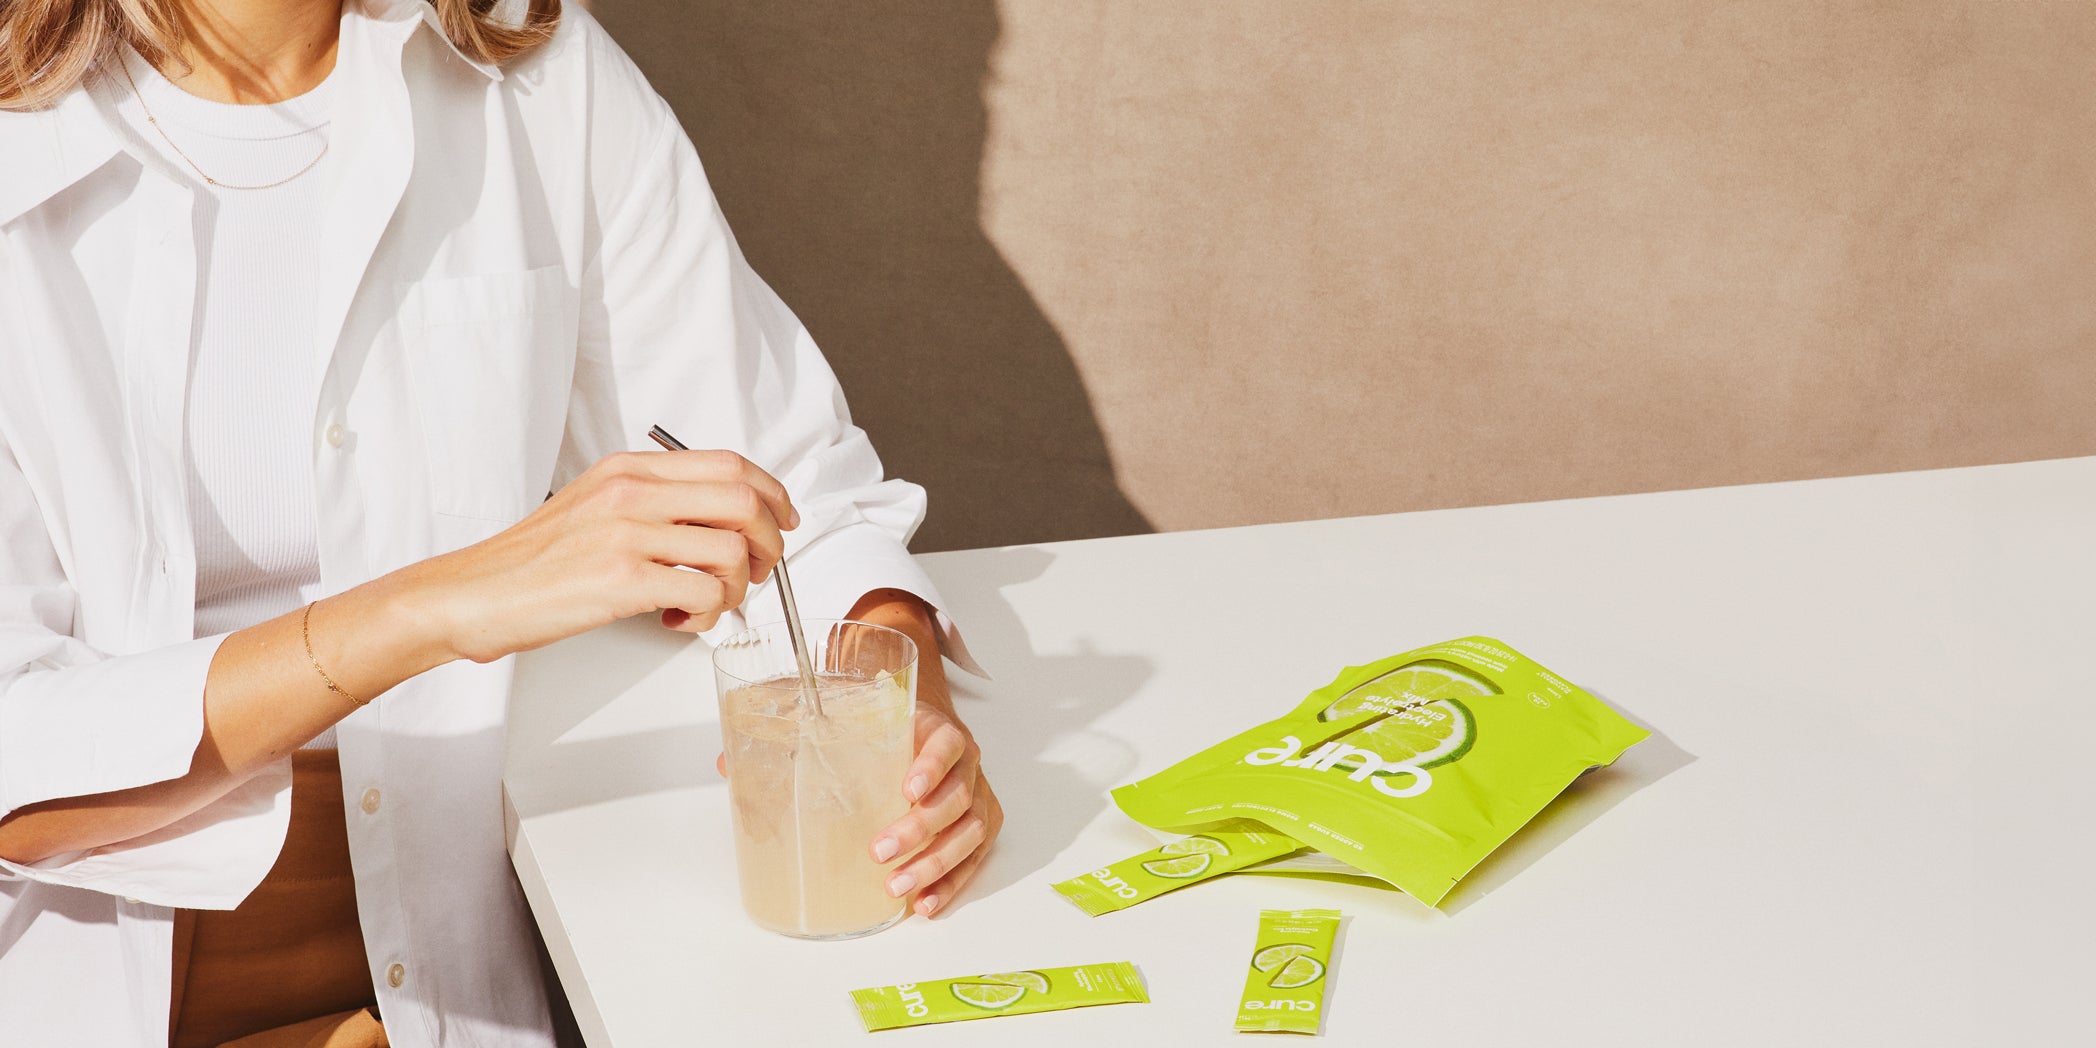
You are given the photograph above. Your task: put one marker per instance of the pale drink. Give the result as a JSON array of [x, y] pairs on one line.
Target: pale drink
[[809, 794]]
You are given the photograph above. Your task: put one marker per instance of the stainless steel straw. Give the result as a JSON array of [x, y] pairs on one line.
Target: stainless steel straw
[[809, 691]]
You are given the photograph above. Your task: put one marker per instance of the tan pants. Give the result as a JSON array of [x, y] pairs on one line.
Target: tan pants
[[287, 968]]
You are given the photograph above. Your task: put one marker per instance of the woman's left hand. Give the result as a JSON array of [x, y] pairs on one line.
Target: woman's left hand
[[953, 814]]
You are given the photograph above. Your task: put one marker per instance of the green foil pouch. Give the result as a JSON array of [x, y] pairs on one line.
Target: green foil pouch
[[1410, 769]]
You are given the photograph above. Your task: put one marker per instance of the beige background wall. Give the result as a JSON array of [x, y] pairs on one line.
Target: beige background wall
[[1098, 266]]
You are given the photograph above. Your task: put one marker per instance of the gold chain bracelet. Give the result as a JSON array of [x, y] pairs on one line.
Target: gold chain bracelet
[[305, 629]]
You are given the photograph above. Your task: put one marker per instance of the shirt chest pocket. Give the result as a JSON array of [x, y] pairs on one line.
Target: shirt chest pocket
[[490, 359]]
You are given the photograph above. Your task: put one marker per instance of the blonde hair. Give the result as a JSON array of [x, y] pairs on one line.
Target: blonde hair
[[48, 46]]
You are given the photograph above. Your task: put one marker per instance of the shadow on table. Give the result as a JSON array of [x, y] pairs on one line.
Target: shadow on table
[[567, 689], [1587, 799], [1050, 770], [1334, 965]]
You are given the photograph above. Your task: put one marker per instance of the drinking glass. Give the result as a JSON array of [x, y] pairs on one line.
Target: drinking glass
[[812, 782]]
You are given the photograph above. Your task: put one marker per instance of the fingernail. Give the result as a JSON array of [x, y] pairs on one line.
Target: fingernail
[[900, 884], [884, 849], [926, 905], [916, 787], [793, 518]]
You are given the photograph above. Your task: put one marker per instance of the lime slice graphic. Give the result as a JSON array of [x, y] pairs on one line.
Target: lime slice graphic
[[1034, 981], [1426, 723], [1299, 971], [1180, 868], [1275, 956], [1195, 846], [988, 995], [1433, 734]]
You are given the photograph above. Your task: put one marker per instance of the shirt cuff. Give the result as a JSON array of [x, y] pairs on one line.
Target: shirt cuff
[[128, 721], [210, 860], [102, 726], [830, 575]]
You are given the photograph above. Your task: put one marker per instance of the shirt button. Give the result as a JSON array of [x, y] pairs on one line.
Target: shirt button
[[370, 807], [336, 434], [395, 975]]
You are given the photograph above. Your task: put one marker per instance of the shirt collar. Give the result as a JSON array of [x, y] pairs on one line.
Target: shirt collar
[[409, 12], [51, 149]]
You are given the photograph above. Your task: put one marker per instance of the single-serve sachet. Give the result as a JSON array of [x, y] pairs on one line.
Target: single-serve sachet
[[1004, 993], [1285, 989], [1410, 769], [1188, 860]]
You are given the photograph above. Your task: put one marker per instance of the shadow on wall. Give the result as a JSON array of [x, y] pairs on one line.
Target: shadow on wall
[[845, 143]]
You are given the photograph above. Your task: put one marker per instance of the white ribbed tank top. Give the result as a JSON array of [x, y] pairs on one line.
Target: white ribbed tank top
[[248, 425]]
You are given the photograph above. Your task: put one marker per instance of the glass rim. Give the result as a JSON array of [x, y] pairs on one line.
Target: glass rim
[[807, 628]]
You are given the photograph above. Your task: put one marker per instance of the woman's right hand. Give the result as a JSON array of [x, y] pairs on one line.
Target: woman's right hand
[[600, 549], [614, 543]]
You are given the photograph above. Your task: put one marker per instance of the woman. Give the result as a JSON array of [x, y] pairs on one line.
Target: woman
[[305, 305]]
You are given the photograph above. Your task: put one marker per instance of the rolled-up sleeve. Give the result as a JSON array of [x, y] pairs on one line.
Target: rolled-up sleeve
[[678, 330], [831, 573], [76, 721]]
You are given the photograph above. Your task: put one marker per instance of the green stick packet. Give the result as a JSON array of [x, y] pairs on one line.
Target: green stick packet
[[1285, 988], [1174, 865], [1004, 993], [1410, 769]]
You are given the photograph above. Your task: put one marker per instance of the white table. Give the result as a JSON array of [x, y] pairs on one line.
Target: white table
[[1863, 820]]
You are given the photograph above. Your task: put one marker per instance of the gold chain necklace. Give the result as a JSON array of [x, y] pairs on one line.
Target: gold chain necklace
[[150, 119]]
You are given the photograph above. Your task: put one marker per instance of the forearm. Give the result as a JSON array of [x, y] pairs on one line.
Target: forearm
[[600, 549], [262, 699], [907, 613]]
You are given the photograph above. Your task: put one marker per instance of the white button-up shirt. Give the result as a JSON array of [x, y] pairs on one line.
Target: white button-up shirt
[[523, 270]]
